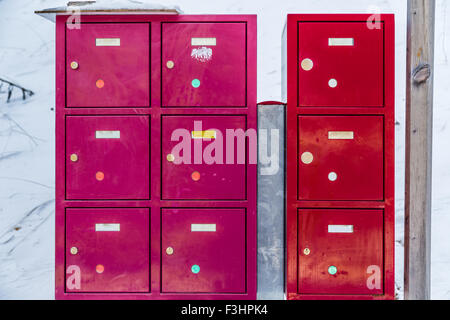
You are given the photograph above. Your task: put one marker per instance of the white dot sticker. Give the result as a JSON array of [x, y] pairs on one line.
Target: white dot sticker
[[332, 176], [333, 83]]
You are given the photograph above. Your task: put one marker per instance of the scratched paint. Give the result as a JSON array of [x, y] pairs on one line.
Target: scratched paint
[[202, 54]]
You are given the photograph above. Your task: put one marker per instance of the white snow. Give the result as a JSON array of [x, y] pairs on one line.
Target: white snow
[[27, 48]]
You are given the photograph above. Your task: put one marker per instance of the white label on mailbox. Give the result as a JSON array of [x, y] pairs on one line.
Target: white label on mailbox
[[203, 41], [341, 42], [107, 134], [107, 227], [107, 42], [203, 227], [341, 135], [340, 229]]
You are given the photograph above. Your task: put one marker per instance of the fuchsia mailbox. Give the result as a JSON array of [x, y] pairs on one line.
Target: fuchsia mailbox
[[155, 183]]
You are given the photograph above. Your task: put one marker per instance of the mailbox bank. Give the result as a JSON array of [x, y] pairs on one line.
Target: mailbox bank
[[131, 222], [340, 156]]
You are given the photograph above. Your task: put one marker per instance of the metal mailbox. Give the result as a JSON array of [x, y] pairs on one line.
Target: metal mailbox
[[132, 222], [340, 177], [339, 250], [99, 151], [203, 250], [340, 64], [109, 249], [198, 176], [206, 66], [341, 158], [108, 65]]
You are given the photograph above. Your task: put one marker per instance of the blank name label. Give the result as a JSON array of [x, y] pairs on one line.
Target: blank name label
[[107, 42], [203, 227], [203, 41], [341, 135], [107, 134], [340, 228], [107, 227], [341, 42]]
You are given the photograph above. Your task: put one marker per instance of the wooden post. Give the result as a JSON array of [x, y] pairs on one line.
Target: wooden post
[[419, 129]]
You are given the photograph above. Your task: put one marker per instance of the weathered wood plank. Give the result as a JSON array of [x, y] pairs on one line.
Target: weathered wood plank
[[419, 129]]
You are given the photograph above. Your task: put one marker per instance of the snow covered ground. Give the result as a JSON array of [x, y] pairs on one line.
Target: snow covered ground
[[27, 48]]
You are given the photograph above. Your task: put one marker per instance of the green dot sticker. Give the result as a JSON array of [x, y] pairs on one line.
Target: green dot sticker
[[332, 270], [195, 268], [196, 83]]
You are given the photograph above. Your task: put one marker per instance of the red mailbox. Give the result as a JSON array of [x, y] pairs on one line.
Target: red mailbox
[[132, 221], [198, 177], [203, 250], [340, 156], [337, 250], [108, 65], [110, 247], [340, 64], [206, 67], [107, 157]]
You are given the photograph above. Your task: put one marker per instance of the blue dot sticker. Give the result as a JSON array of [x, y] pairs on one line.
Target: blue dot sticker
[[196, 83], [195, 269], [332, 270]]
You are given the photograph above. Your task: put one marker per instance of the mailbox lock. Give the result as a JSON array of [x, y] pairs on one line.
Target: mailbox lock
[[170, 157], [73, 250], [74, 65], [73, 157], [169, 251], [170, 64], [306, 251], [307, 157], [307, 64]]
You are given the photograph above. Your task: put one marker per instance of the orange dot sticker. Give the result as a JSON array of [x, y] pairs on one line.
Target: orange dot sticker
[[195, 175], [99, 176], [100, 83], [99, 268]]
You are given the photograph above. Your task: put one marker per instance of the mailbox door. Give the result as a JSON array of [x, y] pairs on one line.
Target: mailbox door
[[203, 250], [341, 158], [345, 251], [204, 64], [107, 157], [217, 179], [340, 65], [111, 249], [108, 65]]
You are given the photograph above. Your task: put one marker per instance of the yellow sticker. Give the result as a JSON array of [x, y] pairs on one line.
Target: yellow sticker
[[208, 134]]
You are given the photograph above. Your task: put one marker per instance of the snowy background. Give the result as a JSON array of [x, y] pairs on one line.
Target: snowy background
[[27, 56]]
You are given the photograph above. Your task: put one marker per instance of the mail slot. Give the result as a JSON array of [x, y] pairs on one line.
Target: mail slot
[[204, 157], [340, 251], [107, 157], [204, 64], [341, 158], [108, 248], [203, 250], [108, 65], [340, 64]]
